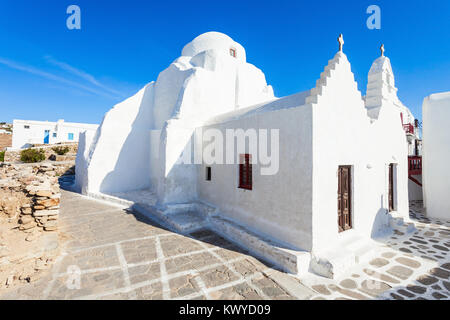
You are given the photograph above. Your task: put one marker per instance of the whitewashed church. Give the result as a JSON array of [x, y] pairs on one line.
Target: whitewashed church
[[332, 178]]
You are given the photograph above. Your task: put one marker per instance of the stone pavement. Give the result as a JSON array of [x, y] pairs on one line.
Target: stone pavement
[[110, 253], [405, 266]]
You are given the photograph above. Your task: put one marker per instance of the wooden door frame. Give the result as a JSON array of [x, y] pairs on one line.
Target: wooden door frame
[[392, 187], [341, 228]]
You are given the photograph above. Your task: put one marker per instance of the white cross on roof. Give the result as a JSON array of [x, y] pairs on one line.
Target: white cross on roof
[[341, 41]]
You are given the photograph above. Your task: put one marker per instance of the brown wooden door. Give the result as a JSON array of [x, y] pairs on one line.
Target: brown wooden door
[[344, 198], [391, 187]]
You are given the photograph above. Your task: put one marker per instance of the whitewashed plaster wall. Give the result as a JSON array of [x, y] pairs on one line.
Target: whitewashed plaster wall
[[436, 155], [119, 155], [81, 161], [344, 135], [205, 81], [415, 191], [35, 134], [279, 206]]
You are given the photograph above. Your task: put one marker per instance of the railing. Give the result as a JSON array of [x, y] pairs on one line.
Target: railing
[[409, 128], [414, 165]]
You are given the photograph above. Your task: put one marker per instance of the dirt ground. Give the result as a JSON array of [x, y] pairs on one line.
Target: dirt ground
[[24, 256]]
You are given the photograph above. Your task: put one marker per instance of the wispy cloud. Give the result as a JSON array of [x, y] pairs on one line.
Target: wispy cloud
[[82, 74], [98, 90]]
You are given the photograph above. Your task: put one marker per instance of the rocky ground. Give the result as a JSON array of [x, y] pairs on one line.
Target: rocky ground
[[29, 211], [111, 253]]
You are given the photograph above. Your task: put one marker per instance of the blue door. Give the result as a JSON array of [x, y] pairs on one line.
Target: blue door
[[47, 136]]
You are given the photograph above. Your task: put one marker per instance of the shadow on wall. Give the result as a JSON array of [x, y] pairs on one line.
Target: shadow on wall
[[380, 226], [132, 168]]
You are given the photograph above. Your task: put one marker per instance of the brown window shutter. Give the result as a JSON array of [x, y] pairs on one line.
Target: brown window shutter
[[245, 172]]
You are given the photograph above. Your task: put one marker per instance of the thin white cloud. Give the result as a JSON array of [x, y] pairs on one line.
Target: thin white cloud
[[50, 76], [82, 74]]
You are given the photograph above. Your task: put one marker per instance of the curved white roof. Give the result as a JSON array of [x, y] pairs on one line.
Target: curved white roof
[[216, 41]]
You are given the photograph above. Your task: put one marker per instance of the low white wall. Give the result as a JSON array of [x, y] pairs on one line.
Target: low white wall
[[436, 155]]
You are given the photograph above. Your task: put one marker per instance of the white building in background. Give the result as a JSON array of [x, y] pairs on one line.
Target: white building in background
[[28, 132], [436, 155], [341, 161]]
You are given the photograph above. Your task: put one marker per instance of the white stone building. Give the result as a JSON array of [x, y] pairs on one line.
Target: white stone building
[[381, 89], [336, 177], [436, 155], [28, 132]]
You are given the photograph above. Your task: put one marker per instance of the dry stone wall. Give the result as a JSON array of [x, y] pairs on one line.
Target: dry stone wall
[[31, 194], [14, 155]]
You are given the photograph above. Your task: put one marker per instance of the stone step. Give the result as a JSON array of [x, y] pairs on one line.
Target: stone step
[[332, 263], [287, 259], [183, 222]]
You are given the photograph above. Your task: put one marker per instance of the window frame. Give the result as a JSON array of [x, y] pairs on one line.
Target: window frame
[[233, 52], [69, 135], [245, 172], [208, 174]]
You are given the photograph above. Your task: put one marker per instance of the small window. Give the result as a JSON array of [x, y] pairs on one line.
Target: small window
[[245, 172], [54, 134], [70, 136], [208, 173], [26, 127], [233, 52]]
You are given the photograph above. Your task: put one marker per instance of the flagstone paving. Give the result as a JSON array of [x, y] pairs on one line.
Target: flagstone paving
[[111, 253]]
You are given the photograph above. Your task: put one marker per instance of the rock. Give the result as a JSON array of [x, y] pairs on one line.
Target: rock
[[39, 207], [51, 223], [9, 280], [41, 213], [48, 202], [42, 219], [40, 265], [32, 236], [44, 193], [26, 211], [25, 219]]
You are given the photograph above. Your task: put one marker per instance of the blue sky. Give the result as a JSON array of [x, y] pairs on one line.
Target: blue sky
[[48, 72]]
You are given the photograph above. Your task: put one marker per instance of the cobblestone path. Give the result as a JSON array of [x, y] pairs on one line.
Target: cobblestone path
[[112, 254]]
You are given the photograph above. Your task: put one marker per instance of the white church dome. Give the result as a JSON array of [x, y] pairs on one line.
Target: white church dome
[[216, 41]]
